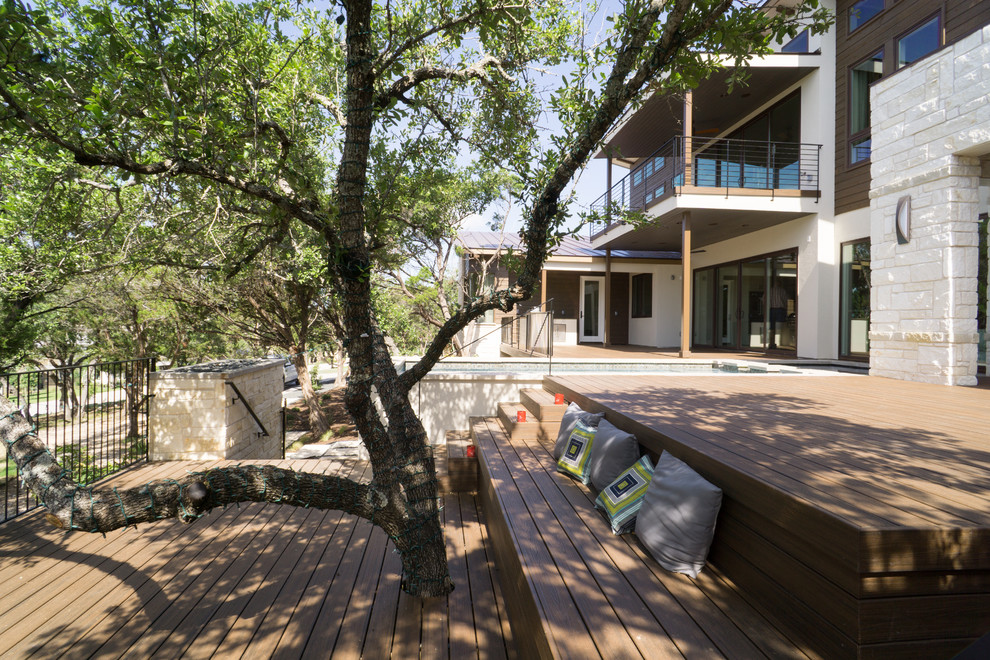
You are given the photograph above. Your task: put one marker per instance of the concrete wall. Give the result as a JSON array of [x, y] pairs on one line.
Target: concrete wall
[[481, 339], [194, 415], [444, 402], [930, 123]]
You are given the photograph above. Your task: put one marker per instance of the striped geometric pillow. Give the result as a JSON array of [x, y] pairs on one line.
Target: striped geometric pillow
[[621, 499], [576, 459]]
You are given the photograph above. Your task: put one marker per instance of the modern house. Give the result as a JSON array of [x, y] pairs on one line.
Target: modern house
[[834, 206], [610, 297]]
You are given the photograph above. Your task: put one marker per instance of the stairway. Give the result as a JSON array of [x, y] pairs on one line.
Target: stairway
[[459, 473]]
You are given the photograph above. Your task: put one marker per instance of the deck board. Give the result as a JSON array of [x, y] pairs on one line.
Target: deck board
[[259, 580]]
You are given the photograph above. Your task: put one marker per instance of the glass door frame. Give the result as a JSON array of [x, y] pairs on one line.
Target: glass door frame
[[849, 355], [740, 323], [600, 337]]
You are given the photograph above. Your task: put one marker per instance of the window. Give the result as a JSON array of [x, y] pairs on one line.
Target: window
[[863, 11], [861, 77], [642, 295], [647, 169], [798, 44], [767, 155], [657, 193], [924, 39]]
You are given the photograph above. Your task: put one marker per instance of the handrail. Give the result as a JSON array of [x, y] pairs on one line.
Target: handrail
[[247, 405], [522, 335], [722, 163]]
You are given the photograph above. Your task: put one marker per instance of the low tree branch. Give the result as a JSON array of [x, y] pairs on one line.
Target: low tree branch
[[74, 507]]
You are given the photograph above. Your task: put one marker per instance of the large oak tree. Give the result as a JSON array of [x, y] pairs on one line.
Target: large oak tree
[[327, 116]]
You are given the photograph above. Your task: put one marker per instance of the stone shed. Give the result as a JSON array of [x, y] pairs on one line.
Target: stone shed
[[230, 409]]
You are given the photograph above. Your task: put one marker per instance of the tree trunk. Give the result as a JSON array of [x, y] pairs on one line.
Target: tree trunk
[[340, 359], [319, 423]]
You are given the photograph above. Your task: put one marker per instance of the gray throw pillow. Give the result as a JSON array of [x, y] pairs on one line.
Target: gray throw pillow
[[613, 452], [572, 416], [676, 522]]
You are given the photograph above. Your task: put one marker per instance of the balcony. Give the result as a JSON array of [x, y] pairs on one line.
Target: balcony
[[700, 166]]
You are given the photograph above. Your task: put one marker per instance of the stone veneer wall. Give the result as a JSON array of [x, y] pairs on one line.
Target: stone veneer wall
[[194, 415], [930, 125]]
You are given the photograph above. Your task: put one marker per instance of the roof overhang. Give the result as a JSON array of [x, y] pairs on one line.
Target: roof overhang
[[716, 110]]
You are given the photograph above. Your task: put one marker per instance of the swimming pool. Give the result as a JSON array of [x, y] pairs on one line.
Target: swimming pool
[[572, 365]]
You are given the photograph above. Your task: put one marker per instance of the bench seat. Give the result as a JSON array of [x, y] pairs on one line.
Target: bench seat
[[575, 590]]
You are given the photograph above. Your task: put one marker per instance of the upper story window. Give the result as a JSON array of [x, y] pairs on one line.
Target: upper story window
[[861, 76], [646, 170], [863, 11], [798, 44], [642, 295], [924, 39]]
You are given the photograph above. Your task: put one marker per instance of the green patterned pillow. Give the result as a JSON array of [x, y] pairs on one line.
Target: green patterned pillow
[[622, 498], [576, 459]]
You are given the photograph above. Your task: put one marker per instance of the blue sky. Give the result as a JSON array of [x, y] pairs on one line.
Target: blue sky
[[589, 184]]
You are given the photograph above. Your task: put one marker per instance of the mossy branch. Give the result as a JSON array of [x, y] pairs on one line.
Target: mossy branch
[[74, 507]]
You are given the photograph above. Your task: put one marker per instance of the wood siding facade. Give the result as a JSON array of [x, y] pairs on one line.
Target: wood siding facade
[[958, 19]]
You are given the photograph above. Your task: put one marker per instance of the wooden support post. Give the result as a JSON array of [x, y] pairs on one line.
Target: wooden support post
[[608, 297], [543, 289], [685, 284]]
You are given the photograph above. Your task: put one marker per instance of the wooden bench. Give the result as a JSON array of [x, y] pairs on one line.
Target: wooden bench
[[575, 590]]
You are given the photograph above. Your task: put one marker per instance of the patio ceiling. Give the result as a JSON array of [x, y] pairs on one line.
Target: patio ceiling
[[715, 109], [708, 226]]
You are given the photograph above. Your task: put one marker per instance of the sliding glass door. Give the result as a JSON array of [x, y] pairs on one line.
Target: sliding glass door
[[747, 305]]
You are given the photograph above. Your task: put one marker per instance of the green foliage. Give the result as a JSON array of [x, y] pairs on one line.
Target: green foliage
[[398, 320]]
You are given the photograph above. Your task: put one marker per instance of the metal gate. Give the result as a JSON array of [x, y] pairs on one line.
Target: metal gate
[[94, 419]]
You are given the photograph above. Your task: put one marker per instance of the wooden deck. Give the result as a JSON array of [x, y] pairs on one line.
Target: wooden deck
[[254, 581], [859, 505]]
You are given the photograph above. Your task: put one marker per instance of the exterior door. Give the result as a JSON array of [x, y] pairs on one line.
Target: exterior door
[[592, 321], [747, 305], [754, 312], [727, 306]]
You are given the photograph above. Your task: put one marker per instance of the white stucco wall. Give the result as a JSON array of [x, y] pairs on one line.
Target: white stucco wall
[[930, 124], [445, 401], [663, 328]]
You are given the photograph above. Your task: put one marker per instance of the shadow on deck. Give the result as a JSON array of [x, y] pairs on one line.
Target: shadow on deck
[[259, 580]]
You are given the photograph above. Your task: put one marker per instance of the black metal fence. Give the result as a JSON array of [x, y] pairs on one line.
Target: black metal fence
[[94, 419]]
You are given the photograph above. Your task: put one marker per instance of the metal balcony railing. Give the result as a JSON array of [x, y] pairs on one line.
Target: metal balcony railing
[[530, 332], [710, 165]]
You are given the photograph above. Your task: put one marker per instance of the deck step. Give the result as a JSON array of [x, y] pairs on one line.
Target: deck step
[[508, 415], [540, 403], [457, 472]]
